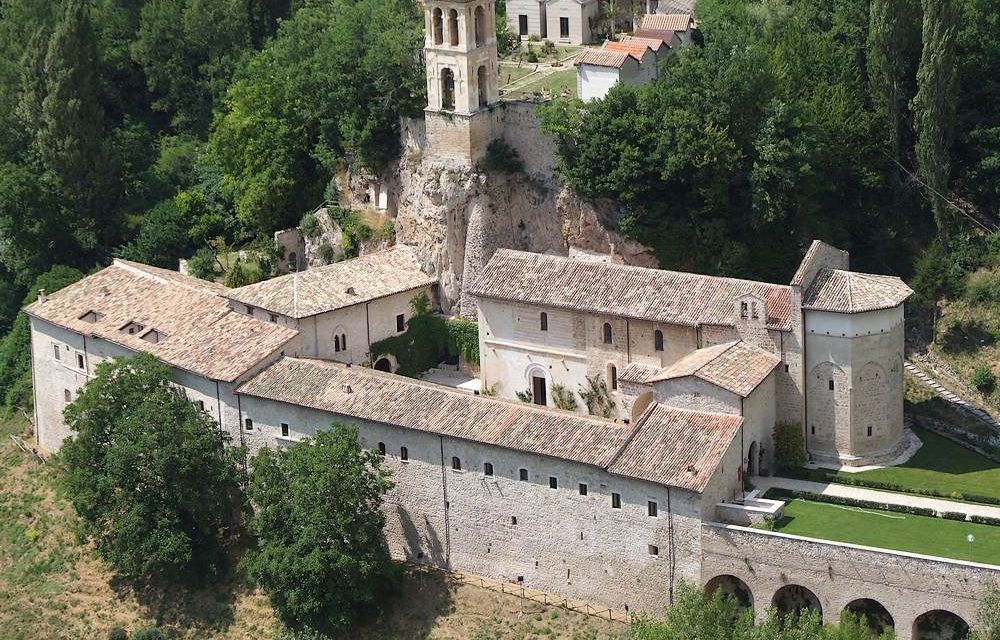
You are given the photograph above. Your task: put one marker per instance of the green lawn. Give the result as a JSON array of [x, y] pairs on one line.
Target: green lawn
[[562, 82], [941, 465], [900, 531], [509, 72]]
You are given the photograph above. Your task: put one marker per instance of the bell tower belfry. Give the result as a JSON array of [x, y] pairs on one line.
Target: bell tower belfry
[[460, 50]]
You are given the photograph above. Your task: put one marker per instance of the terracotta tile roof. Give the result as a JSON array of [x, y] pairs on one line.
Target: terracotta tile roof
[[677, 448], [338, 285], [676, 6], [620, 290], [851, 292], [196, 329], [638, 372], [666, 21], [366, 394], [660, 35], [641, 43], [636, 50], [806, 263], [602, 58], [735, 366]]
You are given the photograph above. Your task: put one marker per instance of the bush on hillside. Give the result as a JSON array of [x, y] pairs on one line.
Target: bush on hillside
[[117, 633], [984, 379], [150, 633], [983, 286]]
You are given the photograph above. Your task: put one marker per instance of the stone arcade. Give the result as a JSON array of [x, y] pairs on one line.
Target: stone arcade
[[606, 510]]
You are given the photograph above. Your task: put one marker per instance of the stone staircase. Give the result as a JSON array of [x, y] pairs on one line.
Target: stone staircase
[[950, 397]]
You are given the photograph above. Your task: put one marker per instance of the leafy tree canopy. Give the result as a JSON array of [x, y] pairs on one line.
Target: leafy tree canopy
[[150, 475], [321, 557]]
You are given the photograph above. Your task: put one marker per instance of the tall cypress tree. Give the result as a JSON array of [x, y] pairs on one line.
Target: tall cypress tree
[[71, 138], [893, 49], [934, 106]]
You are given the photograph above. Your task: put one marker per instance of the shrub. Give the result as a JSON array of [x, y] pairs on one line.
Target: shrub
[[150, 633], [117, 633], [531, 55], [563, 398], [548, 48], [463, 339], [309, 225], [500, 157], [327, 253], [790, 494], [789, 446], [983, 286], [596, 396], [202, 264], [983, 378], [243, 272], [525, 396], [952, 515]]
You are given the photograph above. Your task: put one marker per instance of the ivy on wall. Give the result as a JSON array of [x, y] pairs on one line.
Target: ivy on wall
[[563, 398], [428, 340], [789, 445]]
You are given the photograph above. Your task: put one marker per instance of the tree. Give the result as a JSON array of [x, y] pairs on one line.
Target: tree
[[149, 474], [321, 556], [934, 107], [893, 40], [163, 237]]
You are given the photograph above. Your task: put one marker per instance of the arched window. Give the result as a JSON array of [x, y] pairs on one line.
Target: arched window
[[480, 26], [447, 89], [438, 26], [336, 343], [293, 262], [658, 340], [613, 376], [453, 27], [343, 341], [543, 321], [456, 464], [404, 453], [608, 336], [381, 448], [482, 79]]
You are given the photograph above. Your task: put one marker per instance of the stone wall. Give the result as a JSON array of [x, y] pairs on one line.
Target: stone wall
[[907, 585]]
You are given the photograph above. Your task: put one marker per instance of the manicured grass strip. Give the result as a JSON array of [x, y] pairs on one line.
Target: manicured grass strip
[[903, 532], [939, 468]]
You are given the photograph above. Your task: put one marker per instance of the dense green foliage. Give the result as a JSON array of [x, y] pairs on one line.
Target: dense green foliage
[[695, 616], [988, 627], [789, 446], [321, 557], [787, 124], [429, 340], [148, 473]]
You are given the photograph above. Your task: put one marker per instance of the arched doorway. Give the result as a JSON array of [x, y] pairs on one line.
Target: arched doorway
[[732, 587], [752, 459], [383, 364], [795, 599], [447, 89], [878, 617], [940, 625]]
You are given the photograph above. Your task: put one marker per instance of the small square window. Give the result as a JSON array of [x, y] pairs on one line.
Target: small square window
[[654, 550], [616, 501], [513, 519], [55, 352], [488, 468], [400, 322], [651, 508], [249, 424], [274, 317], [79, 361], [831, 385], [553, 482], [523, 475], [583, 488], [284, 430]]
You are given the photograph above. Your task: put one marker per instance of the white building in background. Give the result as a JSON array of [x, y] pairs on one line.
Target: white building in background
[[561, 21]]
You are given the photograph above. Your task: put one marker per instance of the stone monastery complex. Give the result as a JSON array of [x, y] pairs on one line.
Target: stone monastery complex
[[693, 372]]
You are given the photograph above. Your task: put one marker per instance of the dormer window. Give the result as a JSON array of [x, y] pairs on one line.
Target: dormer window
[[249, 310], [743, 309], [91, 316], [152, 336], [133, 328]]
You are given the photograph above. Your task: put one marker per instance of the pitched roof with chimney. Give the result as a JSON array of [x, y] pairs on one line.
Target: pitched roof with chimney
[[603, 58], [366, 394], [610, 289], [738, 367], [666, 21], [338, 285], [183, 321], [842, 291]]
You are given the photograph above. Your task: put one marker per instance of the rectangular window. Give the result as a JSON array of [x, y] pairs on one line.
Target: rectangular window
[[55, 352], [553, 482], [201, 405], [812, 429], [284, 430], [651, 508], [248, 423], [786, 368], [583, 488], [523, 475], [274, 318], [488, 468], [563, 27], [869, 432], [538, 390], [522, 25], [616, 501], [654, 550], [831, 385], [249, 310], [79, 361], [400, 322]]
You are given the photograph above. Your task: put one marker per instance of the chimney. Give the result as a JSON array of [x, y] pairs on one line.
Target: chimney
[[347, 388], [350, 291], [41, 295]]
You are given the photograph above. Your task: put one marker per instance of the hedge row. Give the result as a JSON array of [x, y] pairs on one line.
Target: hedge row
[[820, 475]]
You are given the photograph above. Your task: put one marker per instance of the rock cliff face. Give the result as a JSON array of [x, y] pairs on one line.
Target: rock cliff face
[[457, 216]]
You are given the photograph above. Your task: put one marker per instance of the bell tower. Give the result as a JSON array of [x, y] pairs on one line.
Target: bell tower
[[460, 50]]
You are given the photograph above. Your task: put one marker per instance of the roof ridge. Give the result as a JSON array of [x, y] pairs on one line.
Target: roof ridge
[[635, 431], [138, 269]]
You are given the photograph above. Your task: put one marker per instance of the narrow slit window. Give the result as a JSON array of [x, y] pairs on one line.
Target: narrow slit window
[[248, 423], [404, 454], [400, 322], [488, 468], [831, 385], [553, 482], [381, 448], [79, 361], [608, 333], [616, 501], [869, 432], [55, 352], [658, 340], [543, 321], [651, 508], [284, 429]]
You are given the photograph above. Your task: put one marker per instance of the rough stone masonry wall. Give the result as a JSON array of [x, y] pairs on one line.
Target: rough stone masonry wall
[[907, 585]]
